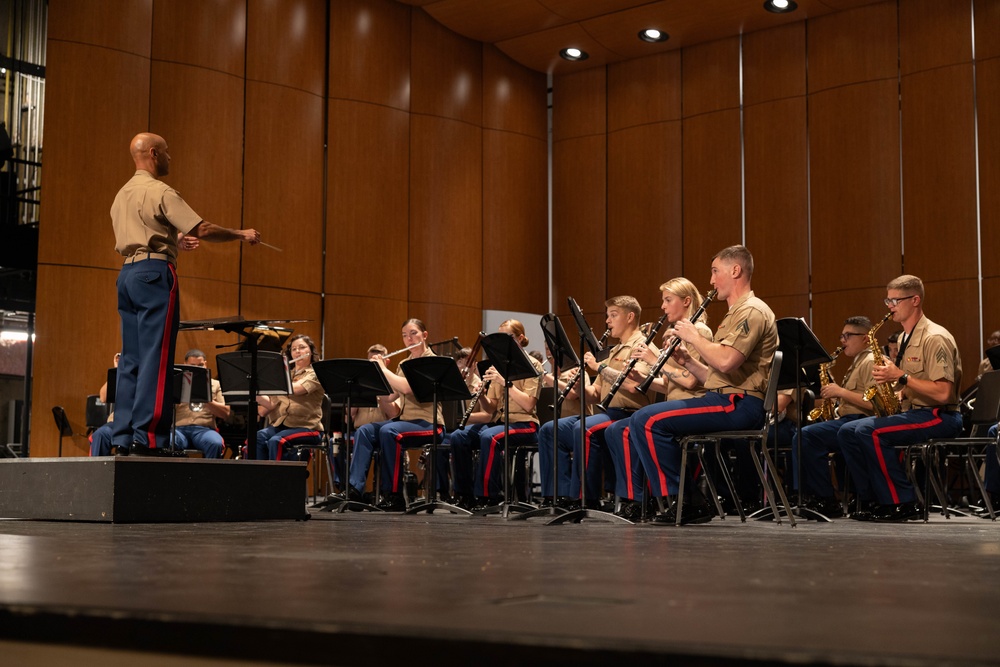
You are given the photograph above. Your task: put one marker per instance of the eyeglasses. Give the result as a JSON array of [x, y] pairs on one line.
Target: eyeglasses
[[847, 335], [895, 302]]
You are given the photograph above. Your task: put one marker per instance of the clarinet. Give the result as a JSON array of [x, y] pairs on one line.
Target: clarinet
[[473, 402], [669, 350], [576, 376], [623, 375]]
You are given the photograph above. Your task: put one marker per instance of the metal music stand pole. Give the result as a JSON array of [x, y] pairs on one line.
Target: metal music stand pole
[[357, 382], [562, 350], [200, 391], [434, 379]]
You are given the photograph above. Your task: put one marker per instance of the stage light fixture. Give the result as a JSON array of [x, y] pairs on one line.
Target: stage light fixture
[[572, 53], [652, 35], [780, 6]]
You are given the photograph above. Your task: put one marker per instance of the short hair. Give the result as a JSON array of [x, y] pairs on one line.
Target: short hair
[[683, 287], [518, 329], [907, 283], [737, 254], [627, 303], [194, 352], [377, 348], [463, 353], [893, 337], [537, 355], [860, 321]]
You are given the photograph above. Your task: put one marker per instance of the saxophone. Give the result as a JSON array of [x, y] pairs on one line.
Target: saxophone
[[824, 411], [883, 399]]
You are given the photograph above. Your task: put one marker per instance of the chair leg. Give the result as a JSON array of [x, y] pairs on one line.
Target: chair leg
[[679, 505], [767, 485], [970, 463], [729, 482], [711, 484]]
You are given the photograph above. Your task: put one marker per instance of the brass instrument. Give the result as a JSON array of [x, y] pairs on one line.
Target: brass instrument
[[668, 351], [572, 381], [826, 408], [881, 395]]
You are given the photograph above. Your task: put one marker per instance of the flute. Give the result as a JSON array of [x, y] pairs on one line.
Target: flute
[[401, 350]]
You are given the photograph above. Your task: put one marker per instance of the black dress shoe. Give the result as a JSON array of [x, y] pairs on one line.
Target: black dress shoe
[[120, 450], [828, 507], [143, 450], [897, 513], [567, 503], [691, 513], [392, 502], [484, 504], [630, 510]]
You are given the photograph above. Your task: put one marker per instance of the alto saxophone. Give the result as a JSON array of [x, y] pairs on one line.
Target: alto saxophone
[[883, 399], [824, 411]]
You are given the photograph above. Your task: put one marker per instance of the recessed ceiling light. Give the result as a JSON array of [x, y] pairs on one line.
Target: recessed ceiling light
[[780, 6], [573, 53], [653, 35]]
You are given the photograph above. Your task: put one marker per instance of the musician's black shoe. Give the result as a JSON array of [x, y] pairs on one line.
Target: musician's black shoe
[[568, 503], [828, 507], [120, 450], [691, 513], [630, 510], [546, 502], [392, 502], [143, 450], [897, 513], [465, 502], [484, 504]]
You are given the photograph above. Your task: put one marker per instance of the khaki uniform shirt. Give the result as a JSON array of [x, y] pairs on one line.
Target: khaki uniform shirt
[[185, 416], [301, 411], [146, 216], [749, 328], [368, 416], [617, 360], [571, 406], [857, 380], [531, 386], [931, 354], [675, 392], [410, 409]]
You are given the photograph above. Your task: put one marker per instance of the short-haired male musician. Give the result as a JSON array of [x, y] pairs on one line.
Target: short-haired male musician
[[985, 366], [928, 372], [195, 424], [847, 403], [734, 369]]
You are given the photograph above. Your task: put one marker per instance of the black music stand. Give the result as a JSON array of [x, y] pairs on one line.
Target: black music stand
[[192, 384], [587, 339], [357, 383], [251, 330], [796, 340], [433, 380], [513, 363], [247, 375], [562, 354], [993, 354], [62, 423]]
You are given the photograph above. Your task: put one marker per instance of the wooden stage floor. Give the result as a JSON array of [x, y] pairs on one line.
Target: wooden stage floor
[[380, 589]]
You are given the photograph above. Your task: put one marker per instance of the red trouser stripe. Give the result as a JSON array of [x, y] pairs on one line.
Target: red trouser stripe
[[628, 464], [399, 453], [163, 378], [493, 446], [294, 436], [648, 428], [877, 433]]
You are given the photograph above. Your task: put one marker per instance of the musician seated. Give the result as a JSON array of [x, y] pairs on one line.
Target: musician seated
[[195, 426], [298, 417], [462, 358], [100, 439], [985, 366], [487, 431]]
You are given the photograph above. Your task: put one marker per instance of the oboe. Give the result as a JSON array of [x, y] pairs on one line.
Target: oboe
[[576, 376], [669, 350], [623, 375]]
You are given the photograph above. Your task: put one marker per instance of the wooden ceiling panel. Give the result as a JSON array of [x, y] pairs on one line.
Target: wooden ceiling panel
[[493, 20]]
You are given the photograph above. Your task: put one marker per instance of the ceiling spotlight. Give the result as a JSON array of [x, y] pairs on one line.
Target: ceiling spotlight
[[574, 54], [780, 6], [653, 35]]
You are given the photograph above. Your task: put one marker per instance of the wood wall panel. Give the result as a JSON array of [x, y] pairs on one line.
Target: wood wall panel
[[934, 33], [87, 149], [202, 299], [515, 236], [712, 185], [354, 323], [988, 111], [854, 185], [793, 305], [206, 157], [645, 214], [777, 196], [447, 72], [367, 200], [203, 34], [579, 104], [514, 98], [711, 75], [991, 315], [939, 174], [953, 304], [370, 52], [987, 13], [830, 309], [274, 303], [774, 64], [643, 91], [579, 222], [446, 320], [122, 25], [446, 195], [77, 335], [283, 186], [853, 46], [286, 43]]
